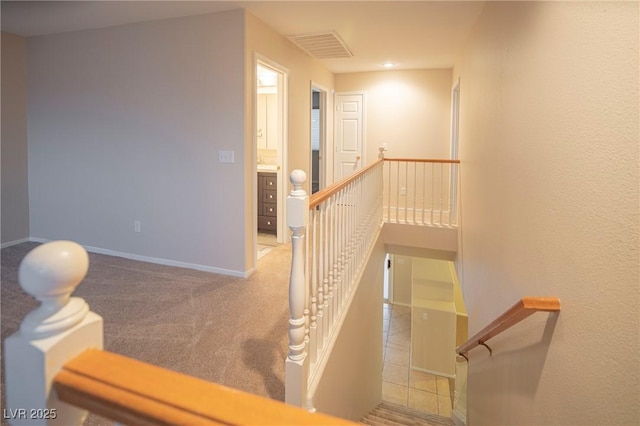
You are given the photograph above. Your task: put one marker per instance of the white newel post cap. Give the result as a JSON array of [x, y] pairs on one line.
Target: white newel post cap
[[297, 201], [51, 335], [50, 273]]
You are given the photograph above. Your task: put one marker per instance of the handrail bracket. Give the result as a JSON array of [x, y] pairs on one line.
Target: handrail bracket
[[480, 342]]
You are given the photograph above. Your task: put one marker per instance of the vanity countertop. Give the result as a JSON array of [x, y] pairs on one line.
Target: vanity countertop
[[267, 168]]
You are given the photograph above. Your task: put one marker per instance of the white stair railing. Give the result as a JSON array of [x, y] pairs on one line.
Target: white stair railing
[[340, 225], [421, 191], [61, 328]]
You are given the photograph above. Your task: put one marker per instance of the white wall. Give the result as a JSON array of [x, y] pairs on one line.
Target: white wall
[[351, 385], [549, 150], [125, 123], [15, 192], [408, 110]]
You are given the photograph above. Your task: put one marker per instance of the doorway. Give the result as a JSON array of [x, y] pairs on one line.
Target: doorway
[[270, 143], [318, 136]]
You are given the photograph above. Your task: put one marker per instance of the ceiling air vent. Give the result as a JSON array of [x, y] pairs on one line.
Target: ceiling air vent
[[322, 45]]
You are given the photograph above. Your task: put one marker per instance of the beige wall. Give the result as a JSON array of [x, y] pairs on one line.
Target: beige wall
[[401, 268], [408, 110], [351, 385], [302, 70], [15, 193], [125, 123], [549, 150]]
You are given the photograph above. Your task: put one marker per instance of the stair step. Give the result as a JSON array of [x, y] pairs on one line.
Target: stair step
[[373, 419], [393, 414]]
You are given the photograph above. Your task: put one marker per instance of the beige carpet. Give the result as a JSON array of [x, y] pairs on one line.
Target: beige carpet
[[223, 329]]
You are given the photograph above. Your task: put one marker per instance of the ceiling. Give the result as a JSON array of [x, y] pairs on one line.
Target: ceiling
[[411, 34]]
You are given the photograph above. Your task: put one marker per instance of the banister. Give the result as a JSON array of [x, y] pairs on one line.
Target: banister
[[133, 392], [423, 160], [521, 310], [320, 196]]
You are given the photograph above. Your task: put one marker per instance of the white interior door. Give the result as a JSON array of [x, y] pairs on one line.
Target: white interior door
[[349, 133]]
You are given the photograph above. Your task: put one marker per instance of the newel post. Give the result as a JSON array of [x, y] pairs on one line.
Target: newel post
[[57, 331], [297, 364]]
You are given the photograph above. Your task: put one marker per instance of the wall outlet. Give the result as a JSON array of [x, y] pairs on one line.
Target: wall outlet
[[403, 191], [425, 316], [136, 226], [225, 156]]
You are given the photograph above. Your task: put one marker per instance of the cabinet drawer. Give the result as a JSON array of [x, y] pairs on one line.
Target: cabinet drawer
[[269, 196], [267, 223], [269, 182], [270, 209]]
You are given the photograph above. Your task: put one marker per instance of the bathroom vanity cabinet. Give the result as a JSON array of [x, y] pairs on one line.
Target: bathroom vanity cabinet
[[267, 202]]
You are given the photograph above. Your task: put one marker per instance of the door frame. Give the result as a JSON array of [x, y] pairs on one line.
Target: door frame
[[455, 144], [324, 103], [282, 236]]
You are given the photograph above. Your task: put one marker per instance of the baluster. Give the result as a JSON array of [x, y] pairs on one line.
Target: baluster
[[316, 256], [331, 202], [322, 298], [389, 164], [398, 192], [441, 191], [339, 235], [432, 194], [297, 367], [406, 183], [57, 331], [424, 190], [415, 185]]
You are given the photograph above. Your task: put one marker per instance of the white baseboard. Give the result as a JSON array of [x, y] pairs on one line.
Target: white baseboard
[[459, 419], [158, 260], [14, 242]]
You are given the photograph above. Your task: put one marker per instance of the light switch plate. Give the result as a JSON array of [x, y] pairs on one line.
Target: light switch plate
[[225, 156]]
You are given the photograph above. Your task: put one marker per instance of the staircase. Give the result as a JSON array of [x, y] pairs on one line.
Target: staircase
[[392, 414]]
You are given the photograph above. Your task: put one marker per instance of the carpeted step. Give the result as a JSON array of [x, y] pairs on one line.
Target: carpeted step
[[393, 414]]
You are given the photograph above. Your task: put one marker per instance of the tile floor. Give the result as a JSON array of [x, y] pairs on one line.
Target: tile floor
[[266, 242], [400, 384]]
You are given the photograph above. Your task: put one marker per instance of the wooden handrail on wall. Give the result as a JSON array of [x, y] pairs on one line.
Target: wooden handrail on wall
[[521, 310], [136, 393]]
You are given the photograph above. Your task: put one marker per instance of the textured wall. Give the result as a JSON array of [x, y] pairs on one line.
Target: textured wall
[[549, 150], [15, 191], [408, 110], [351, 385], [125, 124]]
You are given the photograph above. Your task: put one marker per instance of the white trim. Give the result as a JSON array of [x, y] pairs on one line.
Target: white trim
[[455, 146], [433, 372], [15, 242], [158, 260], [282, 234], [459, 419], [324, 133]]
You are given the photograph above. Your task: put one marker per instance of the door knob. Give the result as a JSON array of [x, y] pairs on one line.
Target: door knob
[[357, 157]]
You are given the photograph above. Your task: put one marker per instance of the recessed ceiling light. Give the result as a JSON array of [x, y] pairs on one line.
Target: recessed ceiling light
[[388, 65]]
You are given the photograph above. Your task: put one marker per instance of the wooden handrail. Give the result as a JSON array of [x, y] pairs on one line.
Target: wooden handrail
[[521, 310], [331, 190], [423, 160], [133, 392]]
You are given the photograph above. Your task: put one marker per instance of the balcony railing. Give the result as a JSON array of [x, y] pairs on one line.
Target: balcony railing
[[421, 191], [333, 233]]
